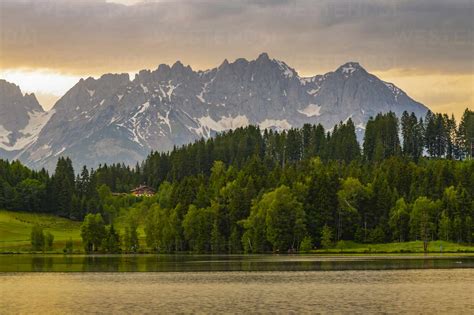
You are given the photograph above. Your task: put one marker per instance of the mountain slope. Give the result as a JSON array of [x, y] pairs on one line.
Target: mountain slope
[[115, 119], [21, 119]]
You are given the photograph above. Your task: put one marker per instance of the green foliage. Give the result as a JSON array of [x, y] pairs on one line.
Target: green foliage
[[306, 244], [48, 241], [37, 238], [377, 235], [111, 241], [465, 134], [343, 145], [285, 226], [445, 227], [421, 219], [93, 232], [197, 226], [162, 229], [33, 193], [412, 136], [130, 238], [381, 137], [62, 185], [277, 217], [341, 245], [399, 220], [351, 196], [326, 237]]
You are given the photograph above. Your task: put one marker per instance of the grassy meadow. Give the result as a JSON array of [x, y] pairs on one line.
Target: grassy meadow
[[15, 229]]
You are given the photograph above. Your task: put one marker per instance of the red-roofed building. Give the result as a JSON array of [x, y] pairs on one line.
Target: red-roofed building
[[143, 191]]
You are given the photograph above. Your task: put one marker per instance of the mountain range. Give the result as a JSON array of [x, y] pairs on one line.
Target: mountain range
[[116, 119]]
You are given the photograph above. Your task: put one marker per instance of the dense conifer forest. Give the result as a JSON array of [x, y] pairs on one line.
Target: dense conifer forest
[[252, 191]]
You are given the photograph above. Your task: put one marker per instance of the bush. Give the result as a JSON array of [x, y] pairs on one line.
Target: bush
[[341, 244], [37, 238], [306, 245], [48, 241], [377, 235], [326, 237]]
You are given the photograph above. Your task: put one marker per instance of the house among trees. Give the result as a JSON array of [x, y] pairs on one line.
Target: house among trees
[[143, 191]]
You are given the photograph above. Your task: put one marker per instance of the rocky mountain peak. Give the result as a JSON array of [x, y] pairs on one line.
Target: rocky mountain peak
[[113, 119], [263, 57], [224, 64], [350, 68], [9, 90], [21, 118]]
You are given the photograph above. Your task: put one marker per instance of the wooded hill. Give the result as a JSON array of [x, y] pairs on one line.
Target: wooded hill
[[254, 191]]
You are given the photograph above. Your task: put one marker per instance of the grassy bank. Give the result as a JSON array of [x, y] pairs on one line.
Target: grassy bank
[[388, 248], [15, 229]]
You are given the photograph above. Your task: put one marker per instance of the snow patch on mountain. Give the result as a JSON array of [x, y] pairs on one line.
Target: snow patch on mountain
[[27, 135], [311, 110], [225, 123], [304, 81], [313, 91], [165, 120], [395, 91], [349, 68], [279, 124], [4, 141]]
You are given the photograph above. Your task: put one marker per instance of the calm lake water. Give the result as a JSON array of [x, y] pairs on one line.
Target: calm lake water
[[190, 263], [428, 291], [236, 284]]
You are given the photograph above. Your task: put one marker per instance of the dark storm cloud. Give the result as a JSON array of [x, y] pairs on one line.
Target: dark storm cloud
[[98, 36]]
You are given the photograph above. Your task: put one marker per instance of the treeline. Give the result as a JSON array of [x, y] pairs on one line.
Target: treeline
[[257, 209], [437, 136], [245, 190], [63, 193]]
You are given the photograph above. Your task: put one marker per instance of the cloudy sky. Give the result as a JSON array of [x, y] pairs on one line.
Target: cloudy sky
[[426, 47]]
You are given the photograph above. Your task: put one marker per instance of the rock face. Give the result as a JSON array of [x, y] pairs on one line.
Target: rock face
[[115, 119], [21, 119]]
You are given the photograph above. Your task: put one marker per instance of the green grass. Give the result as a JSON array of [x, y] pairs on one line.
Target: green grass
[[15, 229], [405, 247]]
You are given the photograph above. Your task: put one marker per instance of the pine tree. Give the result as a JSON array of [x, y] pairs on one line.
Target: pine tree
[[63, 187], [430, 133], [466, 134], [412, 135], [381, 137]]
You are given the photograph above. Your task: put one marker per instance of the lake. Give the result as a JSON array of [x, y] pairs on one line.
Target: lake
[[236, 284], [190, 263]]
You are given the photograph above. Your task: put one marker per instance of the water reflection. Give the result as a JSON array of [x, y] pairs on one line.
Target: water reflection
[[39, 263], [177, 263]]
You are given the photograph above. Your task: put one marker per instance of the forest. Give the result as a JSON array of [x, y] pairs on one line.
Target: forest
[[254, 191]]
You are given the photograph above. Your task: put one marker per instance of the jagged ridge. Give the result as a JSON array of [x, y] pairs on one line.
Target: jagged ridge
[[115, 119]]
